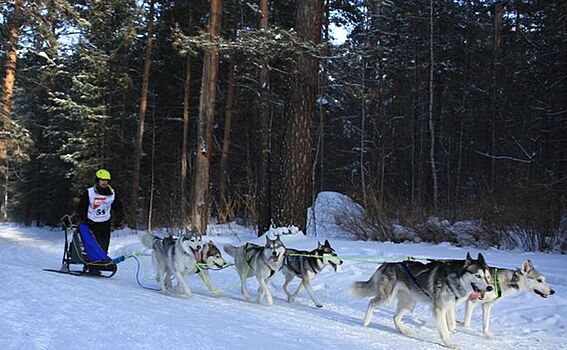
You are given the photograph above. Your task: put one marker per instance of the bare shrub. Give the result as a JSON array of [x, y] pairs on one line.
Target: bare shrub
[[436, 231], [527, 220], [370, 224]]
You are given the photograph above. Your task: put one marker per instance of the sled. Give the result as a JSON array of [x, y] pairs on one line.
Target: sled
[[84, 250]]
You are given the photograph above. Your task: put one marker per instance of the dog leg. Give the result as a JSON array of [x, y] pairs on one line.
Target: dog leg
[[469, 308], [306, 283], [265, 292], [288, 278], [244, 288], [162, 284], [296, 293], [184, 286], [441, 320], [204, 274], [167, 280], [369, 312], [405, 304], [486, 310], [451, 319]]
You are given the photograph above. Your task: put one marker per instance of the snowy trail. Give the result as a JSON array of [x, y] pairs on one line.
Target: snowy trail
[[43, 310]]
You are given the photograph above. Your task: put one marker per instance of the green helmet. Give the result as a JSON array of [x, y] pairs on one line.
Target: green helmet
[[103, 174]]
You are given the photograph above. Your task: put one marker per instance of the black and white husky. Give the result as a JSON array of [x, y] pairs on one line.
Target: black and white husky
[[262, 262], [180, 256], [507, 283], [440, 284], [305, 265]]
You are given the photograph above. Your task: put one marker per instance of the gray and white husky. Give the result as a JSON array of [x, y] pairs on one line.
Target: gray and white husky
[[438, 284], [262, 262], [507, 283], [305, 265], [180, 256]]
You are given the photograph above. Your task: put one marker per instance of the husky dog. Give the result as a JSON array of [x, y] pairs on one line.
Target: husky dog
[[439, 284], [506, 283], [181, 256], [262, 262], [305, 265]]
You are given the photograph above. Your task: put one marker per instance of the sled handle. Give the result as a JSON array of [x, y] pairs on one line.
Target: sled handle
[[68, 222]]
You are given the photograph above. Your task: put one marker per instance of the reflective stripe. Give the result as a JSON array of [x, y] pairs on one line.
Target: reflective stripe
[[99, 205]]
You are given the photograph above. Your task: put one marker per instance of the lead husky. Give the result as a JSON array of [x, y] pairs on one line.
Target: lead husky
[[181, 256], [506, 283], [439, 284], [262, 262], [305, 265]]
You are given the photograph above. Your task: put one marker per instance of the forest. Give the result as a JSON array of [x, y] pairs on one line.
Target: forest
[[247, 110]]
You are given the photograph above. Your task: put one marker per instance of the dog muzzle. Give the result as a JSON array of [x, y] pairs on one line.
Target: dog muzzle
[[476, 294], [544, 295]]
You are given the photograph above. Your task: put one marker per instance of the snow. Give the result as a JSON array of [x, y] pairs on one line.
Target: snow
[[45, 310]]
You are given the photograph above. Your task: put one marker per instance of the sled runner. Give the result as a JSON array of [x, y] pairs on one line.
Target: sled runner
[[84, 250]]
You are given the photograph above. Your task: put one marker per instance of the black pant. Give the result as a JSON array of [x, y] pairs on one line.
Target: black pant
[[101, 232]]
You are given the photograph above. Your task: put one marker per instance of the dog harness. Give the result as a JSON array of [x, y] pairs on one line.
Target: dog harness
[[312, 262], [412, 278], [497, 285], [249, 261]]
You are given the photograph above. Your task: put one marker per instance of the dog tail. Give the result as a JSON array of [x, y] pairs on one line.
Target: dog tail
[[229, 249], [363, 289], [147, 240]]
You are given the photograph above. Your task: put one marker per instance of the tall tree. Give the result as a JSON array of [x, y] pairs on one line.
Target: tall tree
[[185, 160], [263, 175], [295, 164], [14, 24], [200, 194], [431, 121], [141, 119], [224, 198]]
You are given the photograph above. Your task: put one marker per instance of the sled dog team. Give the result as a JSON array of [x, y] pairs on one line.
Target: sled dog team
[[441, 284]]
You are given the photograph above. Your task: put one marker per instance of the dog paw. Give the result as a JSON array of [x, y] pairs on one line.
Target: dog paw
[[451, 345], [402, 329], [319, 305]]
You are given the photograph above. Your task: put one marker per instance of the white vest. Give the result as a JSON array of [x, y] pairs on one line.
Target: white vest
[[99, 205]]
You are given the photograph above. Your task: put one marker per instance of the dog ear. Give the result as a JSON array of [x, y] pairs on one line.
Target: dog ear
[[469, 259], [480, 259], [327, 243], [527, 266]]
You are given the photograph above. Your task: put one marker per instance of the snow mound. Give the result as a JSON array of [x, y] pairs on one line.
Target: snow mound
[[326, 219]]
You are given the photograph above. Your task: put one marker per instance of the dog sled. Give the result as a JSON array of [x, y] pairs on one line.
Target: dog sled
[[83, 249]]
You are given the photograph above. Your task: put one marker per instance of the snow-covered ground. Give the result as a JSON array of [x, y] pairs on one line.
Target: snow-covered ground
[[45, 310]]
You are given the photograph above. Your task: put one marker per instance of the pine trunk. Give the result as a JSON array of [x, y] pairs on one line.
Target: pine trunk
[[292, 193], [498, 13], [263, 173], [8, 88], [185, 160], [133, 221], [431, 123], [200, 181], [223, 213]]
